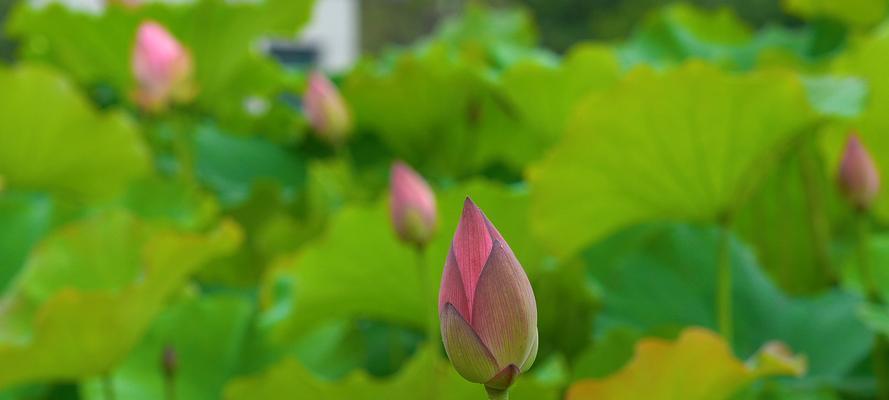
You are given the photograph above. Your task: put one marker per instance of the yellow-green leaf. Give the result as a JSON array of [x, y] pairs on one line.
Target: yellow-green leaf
[[91, 289], [699, 365], [683, 144], [860, 13], [52, 138]]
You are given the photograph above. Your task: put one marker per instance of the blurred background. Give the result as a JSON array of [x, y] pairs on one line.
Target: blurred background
[[197, 198]]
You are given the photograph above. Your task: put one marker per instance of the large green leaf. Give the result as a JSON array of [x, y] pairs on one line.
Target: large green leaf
[[76, 151], [426, 376], [684, 144], [90, 290], [661, 277], [206, 334], [860, 13]]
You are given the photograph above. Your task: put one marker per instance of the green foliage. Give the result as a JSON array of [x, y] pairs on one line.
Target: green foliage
[[627, 177], [855, 12], [221, 37], [109, 271], [723, 129], [425, 376], [77, 152], [476, 95], [658, 279]]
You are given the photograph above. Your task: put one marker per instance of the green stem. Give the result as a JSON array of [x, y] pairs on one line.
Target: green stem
[[108, 386], [864, 271], [495, 394], [432, 333], [426, 287], [868, 285], [724, 284], [169, 388]]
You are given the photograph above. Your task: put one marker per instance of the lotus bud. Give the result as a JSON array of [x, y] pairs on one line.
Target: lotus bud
[[162, 68], [412, 206], [859, 179], [486, 306], [327, 111]]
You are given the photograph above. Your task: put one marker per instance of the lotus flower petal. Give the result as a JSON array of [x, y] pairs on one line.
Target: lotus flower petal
[[451, 292], [504, 379], [467, 352], [504, 314], [472, 245], [532, 354]]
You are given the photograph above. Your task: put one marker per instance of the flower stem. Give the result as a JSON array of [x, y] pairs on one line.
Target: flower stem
[[169, 388], [724, 283], [432, 334], [108, 386], [496, 394], [426, 287], [868, 285]]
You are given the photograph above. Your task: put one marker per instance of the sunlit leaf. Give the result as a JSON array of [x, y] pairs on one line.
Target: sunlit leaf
[[109, 273], [684, 144], [697, 366], [78, 151]]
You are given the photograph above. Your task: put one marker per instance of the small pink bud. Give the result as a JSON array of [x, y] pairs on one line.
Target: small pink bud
[[859, 179], [162, 67], [486, 305], [327, 111], [412, 205]]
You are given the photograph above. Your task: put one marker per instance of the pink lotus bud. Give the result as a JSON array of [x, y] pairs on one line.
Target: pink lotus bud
[[412, 206], [326, 110], [859, 178], [162, 67], [486, 306]]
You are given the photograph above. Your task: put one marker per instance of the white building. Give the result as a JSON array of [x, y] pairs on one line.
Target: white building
[[334, 33]]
